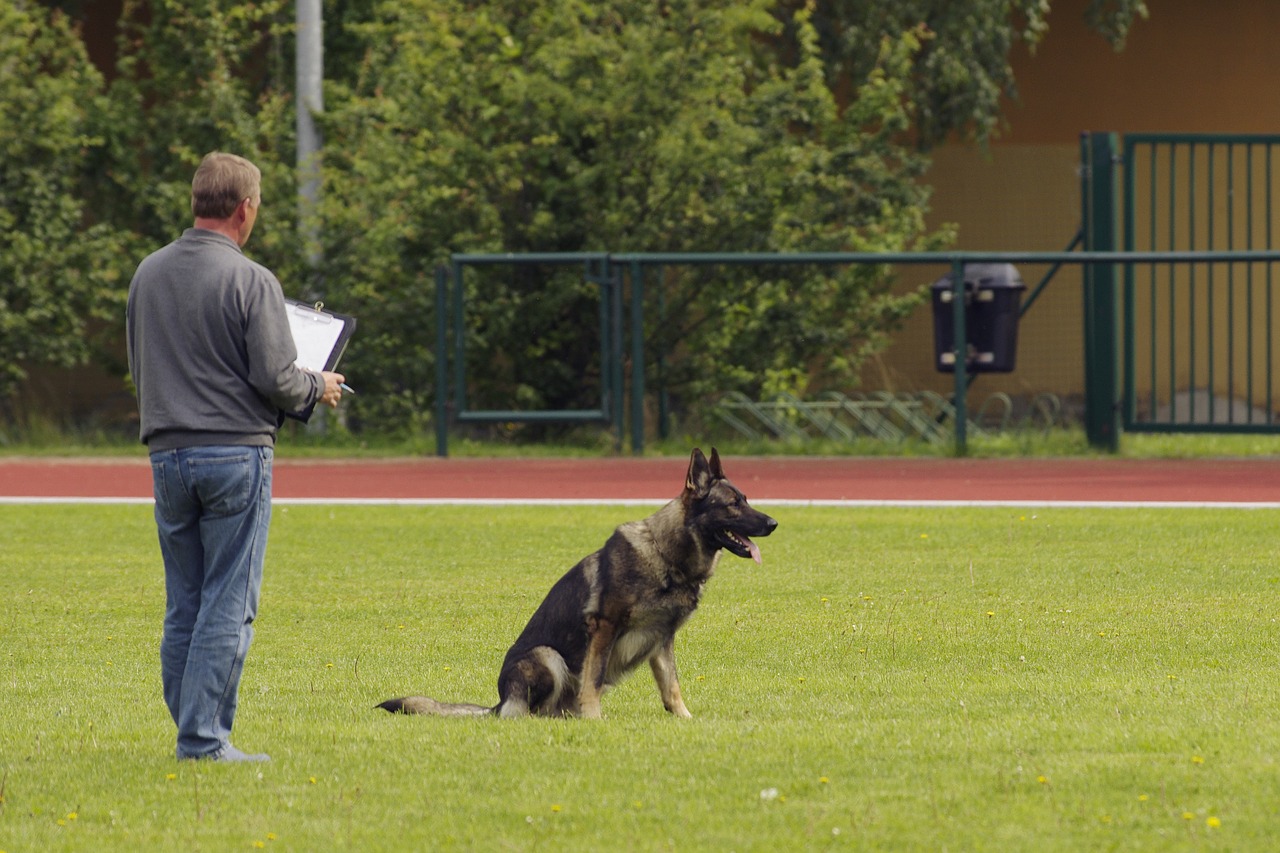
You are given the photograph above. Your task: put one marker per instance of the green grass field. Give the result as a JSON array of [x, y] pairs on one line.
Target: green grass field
[[928, 679]]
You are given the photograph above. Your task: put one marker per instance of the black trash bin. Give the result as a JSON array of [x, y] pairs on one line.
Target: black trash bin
[[993, 297]]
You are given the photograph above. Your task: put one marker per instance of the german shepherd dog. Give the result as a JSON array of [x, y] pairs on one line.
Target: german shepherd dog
[[621, 606]]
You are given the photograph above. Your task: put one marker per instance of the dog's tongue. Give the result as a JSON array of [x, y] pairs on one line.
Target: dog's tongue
[[754, 549]]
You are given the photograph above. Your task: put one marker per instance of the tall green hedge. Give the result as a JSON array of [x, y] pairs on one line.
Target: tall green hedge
[[626, 126], [501, 126], [60, 275]]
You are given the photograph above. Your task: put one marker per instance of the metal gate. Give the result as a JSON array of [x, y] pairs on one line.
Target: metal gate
[[451, 340], [1199, 338]]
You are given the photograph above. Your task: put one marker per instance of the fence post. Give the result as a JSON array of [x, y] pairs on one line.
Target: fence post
[[1101, 315], [960, 338], [637, 357], [442, 361], [613, 289]]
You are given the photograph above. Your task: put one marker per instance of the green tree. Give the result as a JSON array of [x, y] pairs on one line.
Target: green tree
[[194, 77], [96, 175], [57, 279], [505, 126], [572, 126]]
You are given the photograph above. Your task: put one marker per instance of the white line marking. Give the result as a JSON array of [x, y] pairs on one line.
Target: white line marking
[[655, 502]]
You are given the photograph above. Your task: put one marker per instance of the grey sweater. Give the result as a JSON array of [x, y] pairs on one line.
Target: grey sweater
[[210, 349]]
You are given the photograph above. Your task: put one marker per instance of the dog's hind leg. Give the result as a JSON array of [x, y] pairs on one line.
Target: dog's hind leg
[[535, 684], [663, 664], [512, 708], [517, 686]]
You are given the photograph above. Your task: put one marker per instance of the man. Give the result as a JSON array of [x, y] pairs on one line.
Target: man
[[212, 359]]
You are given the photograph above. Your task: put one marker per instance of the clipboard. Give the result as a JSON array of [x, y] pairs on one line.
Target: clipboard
[[320, 335], [321, 338]]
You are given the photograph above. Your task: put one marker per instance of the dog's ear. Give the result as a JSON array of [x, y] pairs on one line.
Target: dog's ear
[[697, 483], [717, 472]]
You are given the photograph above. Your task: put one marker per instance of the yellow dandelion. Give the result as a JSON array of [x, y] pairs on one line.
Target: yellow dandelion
[[259, 844], [924, 535], [171, 776], [271, 836], [1043, 780], [72, 816], [1213, 822], [555, 808], [822, 780], [312, 780], [1142, 798], [328, 666], [825, 600], [1197, 759], [1188, 816], [990, 614]]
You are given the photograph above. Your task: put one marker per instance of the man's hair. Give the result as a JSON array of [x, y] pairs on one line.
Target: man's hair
[[221, 183]]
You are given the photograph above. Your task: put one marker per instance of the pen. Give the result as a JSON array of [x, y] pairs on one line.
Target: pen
[[345, 387]]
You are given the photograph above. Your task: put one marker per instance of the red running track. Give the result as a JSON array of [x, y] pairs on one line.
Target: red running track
[[1030, 481]]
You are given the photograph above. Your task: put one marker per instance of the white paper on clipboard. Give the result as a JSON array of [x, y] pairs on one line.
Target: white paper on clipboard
[[320, 336]]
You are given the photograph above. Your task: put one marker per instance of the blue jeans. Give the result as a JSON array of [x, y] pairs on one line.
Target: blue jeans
[[213, 508]]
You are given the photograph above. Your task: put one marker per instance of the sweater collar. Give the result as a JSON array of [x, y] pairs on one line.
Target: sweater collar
[[204, 234]]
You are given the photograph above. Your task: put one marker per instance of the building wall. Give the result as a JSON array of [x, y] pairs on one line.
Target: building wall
[[1193, 67]]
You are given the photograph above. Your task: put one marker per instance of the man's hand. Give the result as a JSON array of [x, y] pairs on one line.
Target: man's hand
[[332, 388]]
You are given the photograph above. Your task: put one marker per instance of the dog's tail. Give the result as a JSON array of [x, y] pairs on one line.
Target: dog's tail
[[430, 707]]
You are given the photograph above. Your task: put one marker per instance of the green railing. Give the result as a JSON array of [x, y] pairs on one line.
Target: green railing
[[1199, 342], [451, 344], [1101, 322], [1198, 263]]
